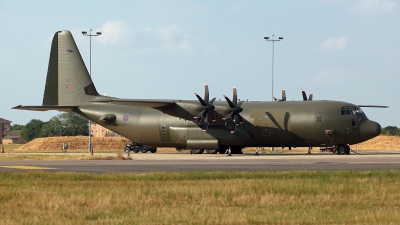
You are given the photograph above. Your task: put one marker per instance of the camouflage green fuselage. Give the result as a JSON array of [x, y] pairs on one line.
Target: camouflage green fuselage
[[288, 124]]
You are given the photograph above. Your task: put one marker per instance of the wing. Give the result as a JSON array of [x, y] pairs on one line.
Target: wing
[[151, 103]]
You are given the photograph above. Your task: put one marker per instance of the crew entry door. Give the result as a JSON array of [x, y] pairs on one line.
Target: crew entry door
[[164, 132]]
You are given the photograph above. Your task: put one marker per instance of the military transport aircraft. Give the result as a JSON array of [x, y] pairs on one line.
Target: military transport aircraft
[[204, 124]]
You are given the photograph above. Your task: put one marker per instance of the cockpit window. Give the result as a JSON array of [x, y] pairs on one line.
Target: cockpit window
[[358, 111], [352, 110], [346, 110]]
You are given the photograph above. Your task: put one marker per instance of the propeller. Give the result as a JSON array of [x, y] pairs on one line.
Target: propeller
[[305, 96], [208, 107], [233, 118], [283, 96]]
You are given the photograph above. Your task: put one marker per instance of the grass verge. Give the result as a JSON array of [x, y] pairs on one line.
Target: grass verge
[[343, 197]]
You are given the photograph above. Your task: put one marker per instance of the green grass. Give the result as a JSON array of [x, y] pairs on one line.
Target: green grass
[[343, 197]]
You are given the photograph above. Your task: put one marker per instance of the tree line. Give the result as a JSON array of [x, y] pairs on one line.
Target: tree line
[[65, 124]]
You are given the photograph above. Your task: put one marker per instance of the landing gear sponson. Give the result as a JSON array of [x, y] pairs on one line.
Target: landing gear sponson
[[139, 148], [215, 151]]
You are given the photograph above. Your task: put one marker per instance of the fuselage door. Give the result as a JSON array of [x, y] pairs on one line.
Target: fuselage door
[[164, 132]]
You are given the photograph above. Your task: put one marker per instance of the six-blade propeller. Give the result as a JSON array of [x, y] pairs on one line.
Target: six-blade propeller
[[233, 118], [208, 109]]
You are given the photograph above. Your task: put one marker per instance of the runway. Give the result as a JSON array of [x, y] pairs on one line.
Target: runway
[[142, 163]]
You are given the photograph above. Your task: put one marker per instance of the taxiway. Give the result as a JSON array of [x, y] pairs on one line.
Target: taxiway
[[141, 163]]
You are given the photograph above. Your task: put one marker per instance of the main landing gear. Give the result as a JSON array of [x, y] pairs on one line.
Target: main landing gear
[[215, 151], [343, 150], [139, 148], [339, 149]]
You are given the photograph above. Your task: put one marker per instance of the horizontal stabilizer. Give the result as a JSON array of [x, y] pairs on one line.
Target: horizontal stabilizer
[[46, 108], [151, 103]]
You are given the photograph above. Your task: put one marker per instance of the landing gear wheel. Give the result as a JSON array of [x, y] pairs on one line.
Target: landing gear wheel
[[144, 149], [135, 150], [153, 150], [237, 151], [196, 151], [341, 149], [212, 151], [347, 151]]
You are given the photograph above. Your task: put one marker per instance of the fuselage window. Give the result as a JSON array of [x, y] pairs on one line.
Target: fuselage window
[[319, 119], [163, 127]]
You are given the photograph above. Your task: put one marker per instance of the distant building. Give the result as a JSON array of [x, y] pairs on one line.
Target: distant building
[[13, 138], [100, 131], [5, 128]]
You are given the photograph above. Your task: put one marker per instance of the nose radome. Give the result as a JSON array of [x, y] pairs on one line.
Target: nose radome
[[370, 129]]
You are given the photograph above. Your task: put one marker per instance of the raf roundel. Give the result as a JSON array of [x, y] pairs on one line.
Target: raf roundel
[[125, 118]]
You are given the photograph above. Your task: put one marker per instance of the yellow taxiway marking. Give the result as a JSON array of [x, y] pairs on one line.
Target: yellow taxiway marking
[[28, 167]]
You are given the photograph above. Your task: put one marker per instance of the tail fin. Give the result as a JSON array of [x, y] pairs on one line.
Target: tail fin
[[68, 82]]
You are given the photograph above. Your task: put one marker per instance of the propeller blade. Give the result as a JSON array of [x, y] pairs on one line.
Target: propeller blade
[[206, 95], [205, 127], [212, 101], [283, 94], [236, 120], [228, 117], [231, 126], [200, 115], [212, 116], [239, 119], [229, 102], [203, 103], [304, 95], [310, 98], [234, 95]]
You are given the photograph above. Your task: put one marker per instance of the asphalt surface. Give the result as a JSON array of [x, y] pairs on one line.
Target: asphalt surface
[[169, 162]]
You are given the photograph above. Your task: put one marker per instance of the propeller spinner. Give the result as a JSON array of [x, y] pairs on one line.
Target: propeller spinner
[[233, 118], [208, 107]]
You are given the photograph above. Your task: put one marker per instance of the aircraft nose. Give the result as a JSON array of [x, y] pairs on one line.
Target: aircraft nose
[[370, 129]]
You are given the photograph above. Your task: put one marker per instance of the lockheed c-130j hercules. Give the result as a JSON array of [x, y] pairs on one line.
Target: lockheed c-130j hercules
[[201, 124]]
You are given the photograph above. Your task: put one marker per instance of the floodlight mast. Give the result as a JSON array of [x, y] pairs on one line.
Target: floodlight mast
[[273, 40], [90, 150]]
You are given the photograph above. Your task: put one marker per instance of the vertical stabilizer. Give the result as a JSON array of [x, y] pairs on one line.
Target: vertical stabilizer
[[68, 82]]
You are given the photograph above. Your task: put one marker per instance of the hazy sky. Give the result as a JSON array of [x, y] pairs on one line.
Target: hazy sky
[[338, 50]]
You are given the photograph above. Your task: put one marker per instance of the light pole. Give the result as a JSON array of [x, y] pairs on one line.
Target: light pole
[[273, 40], [90, 74]]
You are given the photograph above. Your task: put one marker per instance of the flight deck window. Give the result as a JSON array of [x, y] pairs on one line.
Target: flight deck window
[[346, 111]]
